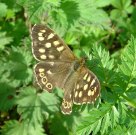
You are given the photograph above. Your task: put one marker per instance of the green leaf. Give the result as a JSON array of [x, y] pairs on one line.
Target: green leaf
[[70, 8], [10, 14], [19, 61], [88, 123], [123, 7], [96, 127], [7, 94], [114, 116], [14, 127], [37, 12], [91, 14], [121, 130], [102, 3], [127, 71], [104, 63], [33, 106], [106, 123], [122, 112], [57, 130], [3, 9], [4, 40]]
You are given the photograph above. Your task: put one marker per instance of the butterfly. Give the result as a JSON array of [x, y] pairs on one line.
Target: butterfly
[[58, 67]]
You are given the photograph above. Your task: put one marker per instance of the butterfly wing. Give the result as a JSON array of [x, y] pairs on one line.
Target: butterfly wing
[[51, 74], [82, 87], [87, 87], [69, 86], [47, 46], [54, 55]]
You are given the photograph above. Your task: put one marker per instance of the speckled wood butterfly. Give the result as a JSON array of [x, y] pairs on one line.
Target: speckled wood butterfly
[[58, 67]]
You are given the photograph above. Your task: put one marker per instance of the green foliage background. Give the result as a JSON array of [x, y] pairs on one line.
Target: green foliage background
[[102, 30]]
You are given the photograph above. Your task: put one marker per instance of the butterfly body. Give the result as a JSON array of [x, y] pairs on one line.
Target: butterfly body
[[58, 67]]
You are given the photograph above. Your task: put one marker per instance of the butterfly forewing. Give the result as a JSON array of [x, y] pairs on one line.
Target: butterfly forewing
[[87, 87], [58, 67], [48, 46]]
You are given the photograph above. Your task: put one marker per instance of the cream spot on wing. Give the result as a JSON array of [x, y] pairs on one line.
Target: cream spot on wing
[[80, 94], [94, 89], [85, 76], [42, 50], [41, 69], [85, 86], [60, 48], [89, 93], [44, 80], [48, 45], [89, 78], [49, 72], [56, 43], [49, 85], [92, 92], [40, 34], [41, 38], [69, 104], [43, 31], [51, 56], [93, 81], [65, 104], [76, 93], [41, 74], [77, 86], [50, 36], [43, 57]]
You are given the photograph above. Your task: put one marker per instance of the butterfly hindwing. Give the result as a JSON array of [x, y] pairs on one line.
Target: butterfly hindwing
[[51, 74], [69, 87]]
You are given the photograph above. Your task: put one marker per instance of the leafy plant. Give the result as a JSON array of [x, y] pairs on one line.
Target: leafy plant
[[104, 31]]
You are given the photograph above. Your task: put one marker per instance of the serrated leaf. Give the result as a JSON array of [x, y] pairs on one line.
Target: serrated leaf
[[128, 66], [95, 116], [96, 127], [33, 106], [122, 112], [38, 11], [4, 40], [19, 61], [14, 127], [106, 123], [114, 116], [119, 129], [104, 63], [71, 11], [7, 94], [90, 13]]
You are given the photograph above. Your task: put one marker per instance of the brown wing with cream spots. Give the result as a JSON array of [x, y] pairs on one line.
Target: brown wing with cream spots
[[51, 74], [87, 87], [47, 46]]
